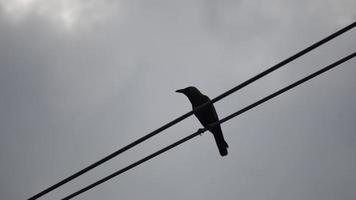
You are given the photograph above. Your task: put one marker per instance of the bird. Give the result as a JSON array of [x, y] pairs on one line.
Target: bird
[[206, 115]]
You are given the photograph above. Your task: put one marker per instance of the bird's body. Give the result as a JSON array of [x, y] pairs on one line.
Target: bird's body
[[206, 115]]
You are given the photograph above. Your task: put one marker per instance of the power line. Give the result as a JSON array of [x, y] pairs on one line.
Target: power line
[[169, 124], [200, 131]]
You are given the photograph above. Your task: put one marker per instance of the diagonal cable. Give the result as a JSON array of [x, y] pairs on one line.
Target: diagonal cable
[[200, 131], [169, 124]]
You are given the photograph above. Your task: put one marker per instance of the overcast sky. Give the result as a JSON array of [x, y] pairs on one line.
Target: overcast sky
[[81, 78]]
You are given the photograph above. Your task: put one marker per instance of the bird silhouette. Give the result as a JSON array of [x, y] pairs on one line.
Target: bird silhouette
[[206, 115]]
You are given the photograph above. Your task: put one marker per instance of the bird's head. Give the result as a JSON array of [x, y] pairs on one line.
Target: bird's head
[[189, 91]]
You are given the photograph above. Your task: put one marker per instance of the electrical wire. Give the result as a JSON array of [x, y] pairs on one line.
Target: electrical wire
[[202, 130], [173, 122]]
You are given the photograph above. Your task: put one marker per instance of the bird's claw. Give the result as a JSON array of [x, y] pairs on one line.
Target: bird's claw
[[201, 131]]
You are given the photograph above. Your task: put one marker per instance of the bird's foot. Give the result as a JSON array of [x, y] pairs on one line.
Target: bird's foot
[[200, 131]]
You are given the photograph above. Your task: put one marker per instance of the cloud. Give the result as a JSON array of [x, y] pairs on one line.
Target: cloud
[[66, 14], [69, 96]]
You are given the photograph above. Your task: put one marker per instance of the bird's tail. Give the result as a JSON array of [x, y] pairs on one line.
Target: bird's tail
[[221, 143]]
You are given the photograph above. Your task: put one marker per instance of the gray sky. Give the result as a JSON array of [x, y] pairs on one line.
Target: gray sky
[[81, 78]]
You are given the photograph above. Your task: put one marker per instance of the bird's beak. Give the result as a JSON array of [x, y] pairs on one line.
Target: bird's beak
[[180, 91]]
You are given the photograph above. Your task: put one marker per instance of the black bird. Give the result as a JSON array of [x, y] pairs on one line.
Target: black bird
[[206, 115]]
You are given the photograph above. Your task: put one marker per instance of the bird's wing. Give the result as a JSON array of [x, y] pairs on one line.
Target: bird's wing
[[212, 108]]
